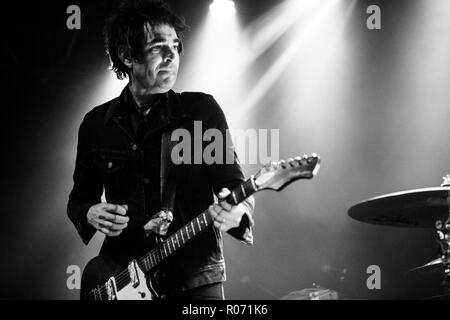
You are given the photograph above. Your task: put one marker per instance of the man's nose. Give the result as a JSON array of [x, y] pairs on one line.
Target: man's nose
[[168, 54]]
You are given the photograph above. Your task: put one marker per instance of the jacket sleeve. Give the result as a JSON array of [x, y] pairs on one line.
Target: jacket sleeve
[[88, 187], [228, 173]]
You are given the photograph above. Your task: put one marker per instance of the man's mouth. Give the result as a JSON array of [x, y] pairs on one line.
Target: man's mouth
[[166, 70]]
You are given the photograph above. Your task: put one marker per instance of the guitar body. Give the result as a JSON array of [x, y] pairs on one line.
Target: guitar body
[[101, 269]]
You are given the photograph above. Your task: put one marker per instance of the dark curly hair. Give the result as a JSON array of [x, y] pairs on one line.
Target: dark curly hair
[[125, 30]]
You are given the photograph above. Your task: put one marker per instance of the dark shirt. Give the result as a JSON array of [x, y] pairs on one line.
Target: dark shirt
[[120, 150], [142, 126]]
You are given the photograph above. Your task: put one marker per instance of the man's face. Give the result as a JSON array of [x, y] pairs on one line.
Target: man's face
[[157, 71]]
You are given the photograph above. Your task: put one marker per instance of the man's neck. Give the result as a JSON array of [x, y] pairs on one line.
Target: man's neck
[[144, 100]]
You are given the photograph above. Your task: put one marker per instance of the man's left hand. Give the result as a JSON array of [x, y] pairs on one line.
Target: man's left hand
[[225, 215]]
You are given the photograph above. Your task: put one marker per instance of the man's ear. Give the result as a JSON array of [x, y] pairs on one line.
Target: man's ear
[[125, 59]]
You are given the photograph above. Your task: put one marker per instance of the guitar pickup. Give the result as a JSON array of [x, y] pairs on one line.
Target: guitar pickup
[[133, 272]]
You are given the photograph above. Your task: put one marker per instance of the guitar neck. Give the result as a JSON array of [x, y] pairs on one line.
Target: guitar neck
[[193, 228]]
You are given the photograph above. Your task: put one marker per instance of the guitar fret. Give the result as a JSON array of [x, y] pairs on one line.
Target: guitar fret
[[172, 241], [250, 188], [168, 246], [252, 180], [176, 236], [146, 264], [204, 219], [182, 237], [193, 230], [243, 191], [165, 253], [198, 223], [233, 194]]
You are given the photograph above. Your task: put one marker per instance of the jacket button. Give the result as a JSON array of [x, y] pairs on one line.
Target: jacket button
[[110, 165], [146, 180], [134, 147]]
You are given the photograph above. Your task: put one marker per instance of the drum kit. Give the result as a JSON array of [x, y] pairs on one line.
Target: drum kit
[[419, 208]]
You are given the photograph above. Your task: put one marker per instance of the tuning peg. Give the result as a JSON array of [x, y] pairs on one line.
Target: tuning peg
[[314, 157], [283, 164], [446, 181], [291, 162], [303, 159]]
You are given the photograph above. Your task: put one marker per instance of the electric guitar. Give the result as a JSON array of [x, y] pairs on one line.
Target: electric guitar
[[102, 279]]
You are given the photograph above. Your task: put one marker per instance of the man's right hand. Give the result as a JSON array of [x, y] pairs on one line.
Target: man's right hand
[[108, 218]]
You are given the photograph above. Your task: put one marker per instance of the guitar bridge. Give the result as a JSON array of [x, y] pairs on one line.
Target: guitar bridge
[[111, 288], [132, 271]]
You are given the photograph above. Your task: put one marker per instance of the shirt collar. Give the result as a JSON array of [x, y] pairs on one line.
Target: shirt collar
[[120, 107]]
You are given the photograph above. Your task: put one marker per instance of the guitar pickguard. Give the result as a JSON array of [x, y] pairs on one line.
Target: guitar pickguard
[[138, 291]]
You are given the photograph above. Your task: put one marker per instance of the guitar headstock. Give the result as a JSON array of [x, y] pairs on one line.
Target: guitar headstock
[[277, 175]]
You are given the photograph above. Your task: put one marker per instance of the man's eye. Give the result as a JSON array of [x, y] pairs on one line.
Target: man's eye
[[156, 49], [178, 47]]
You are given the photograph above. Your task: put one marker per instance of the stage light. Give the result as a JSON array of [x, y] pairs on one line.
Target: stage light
[[222, 9], [305, 35], [212, 59]]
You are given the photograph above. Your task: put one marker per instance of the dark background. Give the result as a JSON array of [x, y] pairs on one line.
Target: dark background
[[378, 115]]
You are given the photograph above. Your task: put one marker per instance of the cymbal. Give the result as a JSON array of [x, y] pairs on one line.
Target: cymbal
[[418, 208], [433, 267]]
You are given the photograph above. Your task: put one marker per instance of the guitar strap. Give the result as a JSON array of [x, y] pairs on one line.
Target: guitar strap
[[160, 222], [168, 173]]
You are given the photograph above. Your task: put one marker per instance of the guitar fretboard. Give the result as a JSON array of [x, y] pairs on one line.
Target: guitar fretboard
[[175, 241]]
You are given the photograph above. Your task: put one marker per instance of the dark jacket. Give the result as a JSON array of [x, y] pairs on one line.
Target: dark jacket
[[111, 158]]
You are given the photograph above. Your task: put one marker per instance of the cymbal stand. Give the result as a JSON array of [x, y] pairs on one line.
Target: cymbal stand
[[443, 239]]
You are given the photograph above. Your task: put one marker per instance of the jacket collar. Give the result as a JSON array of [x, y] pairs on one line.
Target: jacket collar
[[173, 107]]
